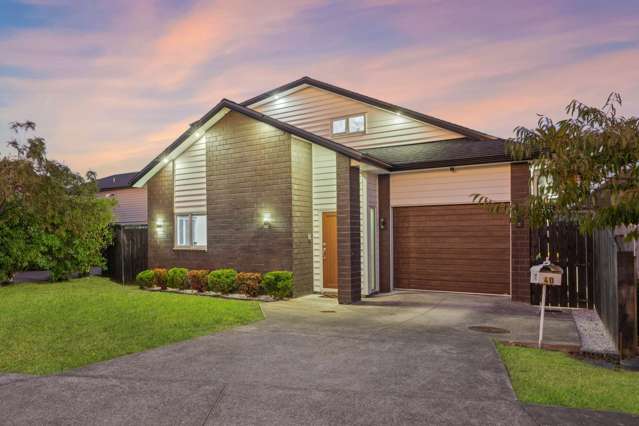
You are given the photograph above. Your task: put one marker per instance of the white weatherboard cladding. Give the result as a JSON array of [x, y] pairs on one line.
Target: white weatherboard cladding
[[131, 207], [190, 179], [324, 200], [442, 186], [312, 109]]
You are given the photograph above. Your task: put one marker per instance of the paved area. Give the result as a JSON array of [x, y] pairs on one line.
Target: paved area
[[399, 359]]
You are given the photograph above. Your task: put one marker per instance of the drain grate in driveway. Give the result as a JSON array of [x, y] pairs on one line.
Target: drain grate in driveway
[[327, 312], [488, 329]]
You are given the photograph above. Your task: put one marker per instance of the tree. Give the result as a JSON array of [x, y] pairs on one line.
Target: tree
[[584, 168], [50, 217]]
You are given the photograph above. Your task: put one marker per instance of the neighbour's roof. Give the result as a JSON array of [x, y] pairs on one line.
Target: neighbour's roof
[[448, 153], [308, 81], [122, 180], [296, 131]]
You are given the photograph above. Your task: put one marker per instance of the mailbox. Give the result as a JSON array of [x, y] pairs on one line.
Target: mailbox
[[546, 274]]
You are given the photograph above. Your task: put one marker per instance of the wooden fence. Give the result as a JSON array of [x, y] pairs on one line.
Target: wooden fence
[[127, 255], [598, 274], [615, 293], [562, 243]]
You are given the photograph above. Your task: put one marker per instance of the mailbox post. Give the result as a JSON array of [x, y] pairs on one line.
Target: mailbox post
[[544, 275]]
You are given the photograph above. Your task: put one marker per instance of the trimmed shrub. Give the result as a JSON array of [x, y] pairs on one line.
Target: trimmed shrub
[[278, 284], [145, 278], [198, 279], [223, 280], [177, 278], [160, 277], [249, 283]]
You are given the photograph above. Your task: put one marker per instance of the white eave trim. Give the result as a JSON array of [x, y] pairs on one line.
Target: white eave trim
[[197, 134]]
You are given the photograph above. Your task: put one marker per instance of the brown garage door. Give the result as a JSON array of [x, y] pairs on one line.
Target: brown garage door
[[451, 248]]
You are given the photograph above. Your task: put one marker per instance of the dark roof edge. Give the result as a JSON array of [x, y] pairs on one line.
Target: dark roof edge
[[375, 102], [453, 163], [110, 188], [225, 103]]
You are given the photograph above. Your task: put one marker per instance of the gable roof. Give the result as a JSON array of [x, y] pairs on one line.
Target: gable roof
[[308, 81], [150, 169], [447, 153], [121, 180]]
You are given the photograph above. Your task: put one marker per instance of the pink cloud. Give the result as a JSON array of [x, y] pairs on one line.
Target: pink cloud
[[112, 99]]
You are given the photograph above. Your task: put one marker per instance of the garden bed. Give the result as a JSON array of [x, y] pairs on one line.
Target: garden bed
[[226, 283], [233, 296]]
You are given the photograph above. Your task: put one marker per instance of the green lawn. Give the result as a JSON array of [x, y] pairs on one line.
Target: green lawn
[[48, 328], [554, 378]]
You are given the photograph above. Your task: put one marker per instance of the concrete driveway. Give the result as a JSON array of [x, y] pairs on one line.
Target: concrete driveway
[[399, 359]]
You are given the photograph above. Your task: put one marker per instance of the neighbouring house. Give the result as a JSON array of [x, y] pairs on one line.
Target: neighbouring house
[[131, 208], [352, 194]]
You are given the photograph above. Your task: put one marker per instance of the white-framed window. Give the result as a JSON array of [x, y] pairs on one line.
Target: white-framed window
[[348, 125], [190, 230]]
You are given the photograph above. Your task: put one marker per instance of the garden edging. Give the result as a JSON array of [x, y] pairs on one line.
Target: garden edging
[[232, 296]]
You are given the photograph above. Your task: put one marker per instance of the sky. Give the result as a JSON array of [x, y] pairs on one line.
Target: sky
[[111, 83]]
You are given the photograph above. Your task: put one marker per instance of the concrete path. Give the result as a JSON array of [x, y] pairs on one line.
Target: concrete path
[[400, 359]]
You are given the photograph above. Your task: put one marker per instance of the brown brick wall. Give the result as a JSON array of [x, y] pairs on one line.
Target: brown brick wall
[[383, 188], [160, 218], [349, 286], [302, 180], [248, 173], [520, 236]]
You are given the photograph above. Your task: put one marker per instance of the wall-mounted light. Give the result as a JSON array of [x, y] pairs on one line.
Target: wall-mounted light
[[452, 170], [277, 96], [382, 223], [159, 224], [166, 160], [266, 219]]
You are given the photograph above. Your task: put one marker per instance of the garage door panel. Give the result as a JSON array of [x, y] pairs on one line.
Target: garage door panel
[[489, 267], [462, 220], [444, 254], [463, 287], [451, 248], [456, 275]]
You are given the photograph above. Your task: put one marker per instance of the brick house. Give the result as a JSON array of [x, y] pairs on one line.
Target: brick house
[[353, 194]]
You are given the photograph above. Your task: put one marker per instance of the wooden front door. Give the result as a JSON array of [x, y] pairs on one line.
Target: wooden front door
[[329, 249]]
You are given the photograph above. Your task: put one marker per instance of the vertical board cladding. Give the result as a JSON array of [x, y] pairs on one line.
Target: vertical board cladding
[[312, 109], [302, 195], [520, 236], [368, 199], [363, 221], [348, 232], [324, 200], [248, 174], [190, 179]]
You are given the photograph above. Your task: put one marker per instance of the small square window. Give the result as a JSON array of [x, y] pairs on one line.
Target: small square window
[[356, 124], [339, 126]]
